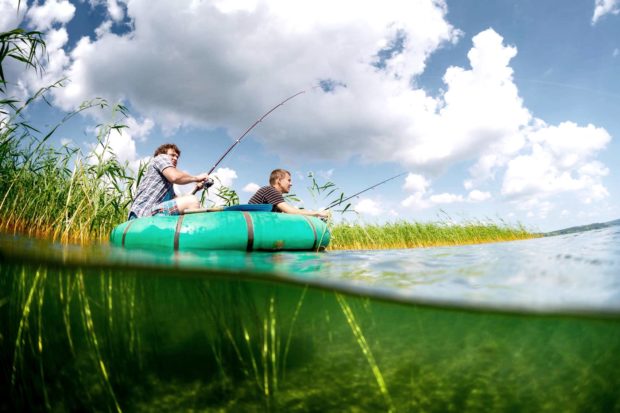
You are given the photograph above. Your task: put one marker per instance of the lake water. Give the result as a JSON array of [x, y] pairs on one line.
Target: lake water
[[519, 326]]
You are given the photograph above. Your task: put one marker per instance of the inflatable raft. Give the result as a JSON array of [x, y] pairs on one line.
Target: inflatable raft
[[231, 229]]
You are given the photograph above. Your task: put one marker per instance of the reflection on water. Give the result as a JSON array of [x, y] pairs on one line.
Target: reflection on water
[[578, 272], [107, 330]]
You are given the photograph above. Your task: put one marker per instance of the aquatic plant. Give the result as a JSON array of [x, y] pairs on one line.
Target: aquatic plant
[[74, 339], [59, 193], [405, 234], [22, 46]]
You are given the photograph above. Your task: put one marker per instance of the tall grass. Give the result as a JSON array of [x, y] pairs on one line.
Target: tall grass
[[416, 234], [60, 193], [45, 191]]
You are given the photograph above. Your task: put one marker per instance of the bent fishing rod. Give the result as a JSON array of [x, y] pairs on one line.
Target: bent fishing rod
[[340, 201], [210, 181]]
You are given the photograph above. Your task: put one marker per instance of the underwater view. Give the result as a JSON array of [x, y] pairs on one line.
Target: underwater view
[[530, 325]]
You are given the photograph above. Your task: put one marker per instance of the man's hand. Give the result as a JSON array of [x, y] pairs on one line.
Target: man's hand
[[203, 182], [324, 215]]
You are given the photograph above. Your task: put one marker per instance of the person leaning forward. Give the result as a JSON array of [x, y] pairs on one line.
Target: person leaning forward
[[155, 194], [280, 183]]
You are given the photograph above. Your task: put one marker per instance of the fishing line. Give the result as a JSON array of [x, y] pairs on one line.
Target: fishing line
[[210, 181], [340, 201]]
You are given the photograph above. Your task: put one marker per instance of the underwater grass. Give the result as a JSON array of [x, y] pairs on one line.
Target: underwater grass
[[219, 344]]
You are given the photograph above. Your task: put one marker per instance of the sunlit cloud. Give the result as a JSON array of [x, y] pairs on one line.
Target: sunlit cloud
[[358, 65], [367, 206], [603, 7], [251, 188]]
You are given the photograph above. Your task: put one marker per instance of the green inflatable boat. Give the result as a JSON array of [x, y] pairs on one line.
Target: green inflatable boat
[[230, 229]]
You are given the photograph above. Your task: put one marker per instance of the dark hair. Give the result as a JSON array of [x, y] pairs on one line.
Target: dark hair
[[277, 174], [163, 149]]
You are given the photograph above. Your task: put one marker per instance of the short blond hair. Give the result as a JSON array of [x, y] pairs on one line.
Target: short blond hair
[[277, 174]]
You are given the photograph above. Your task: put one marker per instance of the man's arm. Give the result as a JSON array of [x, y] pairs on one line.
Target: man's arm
[[175, 176], [289, 209]]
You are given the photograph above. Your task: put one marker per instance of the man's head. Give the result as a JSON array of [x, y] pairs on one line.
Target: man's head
[[169, 149], [280, 179]]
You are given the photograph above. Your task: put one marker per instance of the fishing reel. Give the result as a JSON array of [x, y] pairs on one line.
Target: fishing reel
[[205, 185]]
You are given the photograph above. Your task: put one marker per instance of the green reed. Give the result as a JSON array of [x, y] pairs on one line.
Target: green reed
[[58, 193], [417, 234], [61, 194]]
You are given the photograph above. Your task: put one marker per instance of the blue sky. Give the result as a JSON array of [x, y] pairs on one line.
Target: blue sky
[[500, 110]]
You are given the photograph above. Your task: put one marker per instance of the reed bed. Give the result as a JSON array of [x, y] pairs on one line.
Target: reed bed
[[64, 195], [60, 194], [416, 234]]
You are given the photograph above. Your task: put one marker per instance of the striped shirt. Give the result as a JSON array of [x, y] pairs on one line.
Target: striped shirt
[[267, 195], [154, 187]]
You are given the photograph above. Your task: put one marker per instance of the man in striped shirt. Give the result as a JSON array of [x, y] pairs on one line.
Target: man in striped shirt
[[280, 183], [155, 194]]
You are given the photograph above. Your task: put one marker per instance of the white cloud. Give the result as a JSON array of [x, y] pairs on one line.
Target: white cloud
[[139, 130], [251, 188], [104, 28], [603, 7], [445, 198], [416, 183], [122, 142], [287, 47], [225, 176], [221, 177], [559, 161], [214, 63], [10, 16], [416, 201], [478, 196], [535, 208], [42, 17], [419, 201], [55, 61], [367, 206], [115, 9]]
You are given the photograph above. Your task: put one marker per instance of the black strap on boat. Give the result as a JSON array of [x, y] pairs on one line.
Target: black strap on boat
[[248, 221], [313, 231], [125, 231], [177, 232]]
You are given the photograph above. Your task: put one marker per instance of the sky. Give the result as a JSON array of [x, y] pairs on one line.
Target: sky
[[502, 111]]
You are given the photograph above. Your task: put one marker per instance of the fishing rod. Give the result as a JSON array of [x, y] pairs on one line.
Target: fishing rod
[[340, 201], [210, 181]]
